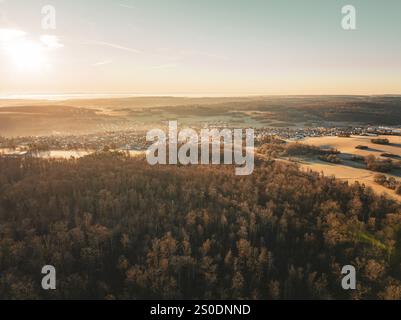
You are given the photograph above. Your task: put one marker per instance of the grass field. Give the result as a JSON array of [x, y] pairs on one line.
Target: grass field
[[347, 145], [348, 170]]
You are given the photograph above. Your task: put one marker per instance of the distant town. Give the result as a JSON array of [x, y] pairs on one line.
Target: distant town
[[135, 140]]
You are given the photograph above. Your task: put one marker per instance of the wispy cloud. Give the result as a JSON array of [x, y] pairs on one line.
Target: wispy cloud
[[102, 63], [126, 6], [51, 42], [115, 46], [10, 37]]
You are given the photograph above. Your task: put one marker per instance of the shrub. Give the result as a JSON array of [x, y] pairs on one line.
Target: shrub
[[330, 158], [380, 179], [374, 164], [389, 155], [361, 147], [380, 141], [300, 149]]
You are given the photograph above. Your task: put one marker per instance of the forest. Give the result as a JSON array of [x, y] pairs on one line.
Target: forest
[[116, 228]]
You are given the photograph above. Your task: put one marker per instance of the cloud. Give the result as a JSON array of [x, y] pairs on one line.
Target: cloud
[[126, 6], [51, 42], [115, 46], [102, 63]]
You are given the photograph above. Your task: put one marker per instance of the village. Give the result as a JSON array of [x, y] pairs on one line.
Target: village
[[135, 140]]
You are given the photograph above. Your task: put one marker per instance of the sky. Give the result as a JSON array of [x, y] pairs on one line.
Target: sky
[[208, 47]]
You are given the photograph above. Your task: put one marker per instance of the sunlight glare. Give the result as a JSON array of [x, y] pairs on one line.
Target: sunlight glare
[[26, 55]]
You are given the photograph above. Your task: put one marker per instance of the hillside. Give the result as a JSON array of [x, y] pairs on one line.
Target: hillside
[[48, 119], [39, 117]]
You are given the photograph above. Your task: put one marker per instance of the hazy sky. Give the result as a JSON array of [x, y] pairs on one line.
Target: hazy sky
[[200, 47]]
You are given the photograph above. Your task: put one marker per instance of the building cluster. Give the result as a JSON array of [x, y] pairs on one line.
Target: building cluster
[[135, 140], [301, 133], [127, 140]]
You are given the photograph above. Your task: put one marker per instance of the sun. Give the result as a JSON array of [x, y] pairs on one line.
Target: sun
[[26, 55]]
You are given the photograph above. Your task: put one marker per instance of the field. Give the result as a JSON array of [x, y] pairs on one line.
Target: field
[[46, 117], [349, 170]]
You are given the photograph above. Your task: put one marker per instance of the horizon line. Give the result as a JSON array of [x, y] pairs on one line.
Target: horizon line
[[120, 95]]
